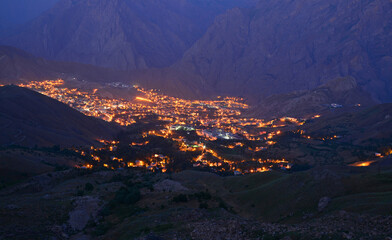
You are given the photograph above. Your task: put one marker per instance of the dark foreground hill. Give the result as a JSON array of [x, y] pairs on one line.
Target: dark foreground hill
[[28, 118], [322, 203]]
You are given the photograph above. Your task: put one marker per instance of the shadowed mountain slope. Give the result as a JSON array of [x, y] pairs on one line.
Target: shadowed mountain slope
[[29, 118]]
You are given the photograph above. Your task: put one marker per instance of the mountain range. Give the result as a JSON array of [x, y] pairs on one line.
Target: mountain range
[[120, 34], [198, 49], [244, 48], [281, 46]]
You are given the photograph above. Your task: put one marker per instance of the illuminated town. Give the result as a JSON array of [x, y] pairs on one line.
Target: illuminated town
[[164, 133]]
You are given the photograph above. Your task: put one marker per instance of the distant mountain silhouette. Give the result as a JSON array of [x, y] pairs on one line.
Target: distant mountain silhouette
[[28, 118]]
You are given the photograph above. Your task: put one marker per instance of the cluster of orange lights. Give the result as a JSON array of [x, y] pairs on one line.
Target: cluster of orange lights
[[362, 164], [210, 120], [223, 114], [152, 163]]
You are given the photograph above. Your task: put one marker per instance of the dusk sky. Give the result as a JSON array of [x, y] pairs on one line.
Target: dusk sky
[[17, 12]]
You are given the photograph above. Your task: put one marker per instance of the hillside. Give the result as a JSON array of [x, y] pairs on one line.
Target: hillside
[[294, 197], [19, 66], [131, 204], [368, 126], [128, 34], [340, 137], [28, 118], [341, 91]]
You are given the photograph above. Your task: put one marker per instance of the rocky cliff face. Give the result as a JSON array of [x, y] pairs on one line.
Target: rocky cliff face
[[129, 34], [281, 46]]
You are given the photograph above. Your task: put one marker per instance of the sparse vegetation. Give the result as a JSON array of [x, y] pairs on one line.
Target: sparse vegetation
[[88, 187], [181, 198]]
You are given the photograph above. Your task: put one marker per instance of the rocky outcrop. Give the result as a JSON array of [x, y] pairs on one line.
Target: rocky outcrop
[[323, 203], [86, 209], [169, 185]]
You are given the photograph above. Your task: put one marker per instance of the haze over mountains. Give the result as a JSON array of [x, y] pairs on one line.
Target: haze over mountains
[[223, 47]]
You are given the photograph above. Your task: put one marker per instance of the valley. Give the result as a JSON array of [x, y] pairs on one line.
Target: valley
[[195, 120], [163, 133], [190, 169]]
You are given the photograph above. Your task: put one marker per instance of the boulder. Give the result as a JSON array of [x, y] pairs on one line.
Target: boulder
[[323, 203]]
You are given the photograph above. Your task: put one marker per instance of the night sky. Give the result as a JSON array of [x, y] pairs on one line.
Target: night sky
[[14, 13]]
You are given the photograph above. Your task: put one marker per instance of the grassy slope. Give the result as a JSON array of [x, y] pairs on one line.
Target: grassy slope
[[271, 196], [275, 196], [18, 164]]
